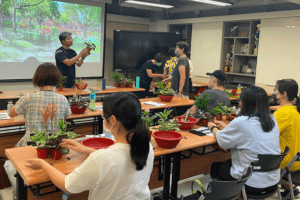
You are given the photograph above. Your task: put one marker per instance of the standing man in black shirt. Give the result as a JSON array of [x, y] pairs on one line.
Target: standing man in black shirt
[[66, 58], [147, 73]]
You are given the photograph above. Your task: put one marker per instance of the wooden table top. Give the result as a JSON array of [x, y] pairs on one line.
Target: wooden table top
[[176, 102], [199, 84], [67, 92], [18, 157]]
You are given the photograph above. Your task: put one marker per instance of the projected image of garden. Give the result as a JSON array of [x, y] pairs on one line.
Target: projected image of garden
[[31, 28]]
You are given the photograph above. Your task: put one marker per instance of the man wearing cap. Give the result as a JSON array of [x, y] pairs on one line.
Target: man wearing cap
[[216, 94]]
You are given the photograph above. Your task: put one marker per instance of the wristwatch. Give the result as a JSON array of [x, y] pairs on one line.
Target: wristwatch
[[212, 128]]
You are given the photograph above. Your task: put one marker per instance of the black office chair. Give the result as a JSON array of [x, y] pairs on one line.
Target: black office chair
[[224, 190], [292, 178], [266, 163]]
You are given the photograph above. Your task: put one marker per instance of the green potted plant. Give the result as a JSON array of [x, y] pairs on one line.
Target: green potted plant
[[39, 140], [148, 121], [130, 83], [230, 115], [77, 104], [202, 103], [123, 82], [165, 94], [166, 136], [218, 111], [117, 77], [63, 80]]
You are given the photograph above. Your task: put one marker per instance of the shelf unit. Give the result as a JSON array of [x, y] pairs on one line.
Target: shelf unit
[[244, 34]]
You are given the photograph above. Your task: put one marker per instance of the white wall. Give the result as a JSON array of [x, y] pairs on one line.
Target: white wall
[[206, 47]]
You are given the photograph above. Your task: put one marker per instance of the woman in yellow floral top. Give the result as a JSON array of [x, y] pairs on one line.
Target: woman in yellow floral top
[[288, 119], [170, 65]]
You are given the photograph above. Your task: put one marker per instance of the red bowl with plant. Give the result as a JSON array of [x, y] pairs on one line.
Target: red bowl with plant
[[77, 86], [98, 143], [167, 139], [189, 124], [165, 98]]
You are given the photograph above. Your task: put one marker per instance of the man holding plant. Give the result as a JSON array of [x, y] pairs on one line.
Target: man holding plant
[[66, 58]]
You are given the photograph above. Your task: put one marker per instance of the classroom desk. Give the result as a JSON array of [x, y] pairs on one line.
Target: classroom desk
[[18, 157], [68, 92], [197, 84]]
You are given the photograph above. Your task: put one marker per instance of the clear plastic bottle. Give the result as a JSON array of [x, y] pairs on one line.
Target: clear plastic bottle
[[9, 106], [239, 89], [92, 100]]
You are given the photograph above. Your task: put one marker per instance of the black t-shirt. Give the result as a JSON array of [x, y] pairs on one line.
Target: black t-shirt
[[62, 54], [176, 76], [145, 80]]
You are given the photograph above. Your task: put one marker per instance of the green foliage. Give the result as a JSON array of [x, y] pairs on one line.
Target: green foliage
[[148, 120], [129, 81], [62, 125], [203, 102], [217, 110], [165, 124], [63, 80], [39, 139], [117, 76], [22, 44], [164, 91], [228, 110]]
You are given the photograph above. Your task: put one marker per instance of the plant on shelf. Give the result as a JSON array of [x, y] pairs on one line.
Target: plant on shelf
[[148, 121], [63, 80], [77, 103], [166, 124], [117, 77]]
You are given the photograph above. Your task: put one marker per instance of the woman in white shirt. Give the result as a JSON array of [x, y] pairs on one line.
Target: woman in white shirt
[[254, 132], [121, 171]]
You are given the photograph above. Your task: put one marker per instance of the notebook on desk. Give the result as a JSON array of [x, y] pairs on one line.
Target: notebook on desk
[[4, 116], [152, 103]]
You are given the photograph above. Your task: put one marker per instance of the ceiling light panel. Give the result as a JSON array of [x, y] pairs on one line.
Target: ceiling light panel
[[149, 4], [217, 3]]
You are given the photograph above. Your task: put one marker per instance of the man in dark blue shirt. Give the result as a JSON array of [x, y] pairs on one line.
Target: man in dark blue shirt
[[147, 73], [66, 58]]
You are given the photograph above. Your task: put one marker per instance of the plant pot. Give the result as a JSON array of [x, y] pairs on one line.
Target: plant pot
[[130, 85], [167, 139], [60, 88], [116, 85], [219, 117], [165, 98], [76, 110], [42, 153], [55, 154], [98, 143], [186, 125], [77, 86], [230, 117], [122, 85], [202, 122]]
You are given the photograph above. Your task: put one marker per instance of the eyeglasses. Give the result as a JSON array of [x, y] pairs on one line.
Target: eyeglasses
[[102, 115]]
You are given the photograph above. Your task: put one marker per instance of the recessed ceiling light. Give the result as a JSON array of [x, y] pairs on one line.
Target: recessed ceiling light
[[149, 4], [288, 26], [293, 26], [218, 3]]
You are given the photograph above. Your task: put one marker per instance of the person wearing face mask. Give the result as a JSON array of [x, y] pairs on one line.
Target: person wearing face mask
[[120, 172], [147, 74], [288, 119]]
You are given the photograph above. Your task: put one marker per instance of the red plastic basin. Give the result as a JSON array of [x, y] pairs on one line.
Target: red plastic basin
[[98, 143], [76, 110], [186, 125], [165, 98], [167, 139]]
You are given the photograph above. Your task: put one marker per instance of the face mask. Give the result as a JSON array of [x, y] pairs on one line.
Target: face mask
[[177, 53], [158, 64], [106, 129], [274, 99]]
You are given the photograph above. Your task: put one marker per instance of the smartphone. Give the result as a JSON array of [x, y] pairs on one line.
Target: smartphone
[[199, 133]]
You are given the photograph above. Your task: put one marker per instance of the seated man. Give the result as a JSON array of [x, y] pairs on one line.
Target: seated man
[[216, 94]]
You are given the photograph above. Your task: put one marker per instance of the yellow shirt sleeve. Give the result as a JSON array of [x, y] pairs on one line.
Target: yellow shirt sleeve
[[282, 119]]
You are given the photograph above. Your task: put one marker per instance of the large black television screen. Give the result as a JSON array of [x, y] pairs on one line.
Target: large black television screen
[[132, 49]]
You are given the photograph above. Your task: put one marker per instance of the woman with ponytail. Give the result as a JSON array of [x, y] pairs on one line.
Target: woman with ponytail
[[121, 171], [288, 119]]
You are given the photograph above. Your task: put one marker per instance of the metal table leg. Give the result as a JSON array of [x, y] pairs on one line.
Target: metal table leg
[[21, 188], [175, 174], [166, 190]]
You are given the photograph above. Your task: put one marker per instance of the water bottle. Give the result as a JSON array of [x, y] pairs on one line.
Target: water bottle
[[137, 82], [65, 196], [103, 84], [92, 100], [239, 89], [9, 106]]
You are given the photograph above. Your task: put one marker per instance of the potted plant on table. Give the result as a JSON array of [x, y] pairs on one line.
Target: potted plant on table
[[78, 105], [218, 111], [202, 103], [231, 93], [117, 78], [63, 80], [230, 114], [165, 94], [130, 83], [77, 83], [148, 121], [123, 82], [39, 140], [166, 136]]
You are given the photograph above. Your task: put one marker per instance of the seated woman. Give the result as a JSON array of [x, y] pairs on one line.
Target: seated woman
[[46, 77], [253, 132], [121, 171], [288, 119]]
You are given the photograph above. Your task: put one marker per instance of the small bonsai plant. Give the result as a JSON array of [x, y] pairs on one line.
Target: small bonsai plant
[[130, 82], [164, 91], [218, 111], [117, 77], [202, 102], [63, 80], [166, 124], [76, 101]]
